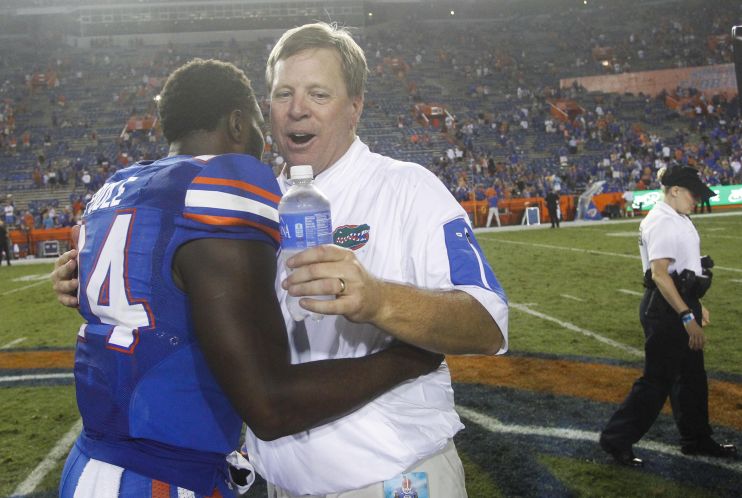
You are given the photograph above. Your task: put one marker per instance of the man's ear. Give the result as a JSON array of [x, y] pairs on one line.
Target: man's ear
[[357, 103], [234, 125]]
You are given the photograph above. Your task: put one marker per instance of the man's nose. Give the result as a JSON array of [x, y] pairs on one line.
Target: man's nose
[[298, 107]]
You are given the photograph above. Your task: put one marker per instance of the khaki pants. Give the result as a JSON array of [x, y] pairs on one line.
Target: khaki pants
[[445, 479], [493, 211]]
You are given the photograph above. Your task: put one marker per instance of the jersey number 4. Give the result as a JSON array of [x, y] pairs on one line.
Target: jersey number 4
[[106, 287]]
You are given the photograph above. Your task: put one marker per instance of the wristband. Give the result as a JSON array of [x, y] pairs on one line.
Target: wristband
[[687, 317]]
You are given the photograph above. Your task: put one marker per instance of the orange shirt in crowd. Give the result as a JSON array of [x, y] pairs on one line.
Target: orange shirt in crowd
[[28, 220]]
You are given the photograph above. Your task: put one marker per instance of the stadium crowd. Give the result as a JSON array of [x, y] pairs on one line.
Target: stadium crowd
[[69, 117]]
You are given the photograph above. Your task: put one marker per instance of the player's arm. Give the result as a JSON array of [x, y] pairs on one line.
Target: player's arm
[[239, 326]]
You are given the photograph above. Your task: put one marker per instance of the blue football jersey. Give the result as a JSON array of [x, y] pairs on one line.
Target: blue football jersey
[[148, 400]]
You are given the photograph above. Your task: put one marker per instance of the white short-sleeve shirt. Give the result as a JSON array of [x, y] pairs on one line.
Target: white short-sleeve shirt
[[403, 226], [666, 234]]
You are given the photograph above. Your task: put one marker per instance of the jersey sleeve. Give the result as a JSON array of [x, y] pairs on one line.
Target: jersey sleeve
[[446, 254], [233, 196]]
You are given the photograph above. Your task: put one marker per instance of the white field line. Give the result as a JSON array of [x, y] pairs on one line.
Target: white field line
[[574, 298], [49, 462], [575, 328], [18, 378], [723, 236], [33, 278], [737, 280], [13, 343], [563, 248], [11, 291], [630, 292], [587, 251], [494, 425], [622, 234]]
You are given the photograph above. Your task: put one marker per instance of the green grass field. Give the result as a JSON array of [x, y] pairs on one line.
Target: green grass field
[[572, 293], [589, 264]]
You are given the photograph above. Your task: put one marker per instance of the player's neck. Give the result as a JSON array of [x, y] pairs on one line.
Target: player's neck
[[198, 144]]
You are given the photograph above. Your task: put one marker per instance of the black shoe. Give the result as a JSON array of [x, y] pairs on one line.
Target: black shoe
[[623, 457], [709, 447]]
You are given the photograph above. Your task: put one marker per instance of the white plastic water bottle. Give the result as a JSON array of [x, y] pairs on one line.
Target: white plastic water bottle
[[304, 214]]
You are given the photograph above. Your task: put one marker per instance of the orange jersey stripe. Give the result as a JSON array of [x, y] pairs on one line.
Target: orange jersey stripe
[[160, 489], [240, 185], [215, 494], [231, 221]]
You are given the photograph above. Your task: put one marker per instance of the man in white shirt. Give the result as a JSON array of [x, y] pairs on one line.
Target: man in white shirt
[[405, 265], [9, 211], [628, 203], [736, 165]]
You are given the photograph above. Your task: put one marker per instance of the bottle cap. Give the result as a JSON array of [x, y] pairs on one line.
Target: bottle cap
[[301, 172]]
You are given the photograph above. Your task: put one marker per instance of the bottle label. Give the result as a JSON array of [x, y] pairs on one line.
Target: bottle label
[[302, 230]]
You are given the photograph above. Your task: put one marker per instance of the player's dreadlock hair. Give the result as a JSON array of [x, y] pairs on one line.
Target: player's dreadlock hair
[[200, 93]]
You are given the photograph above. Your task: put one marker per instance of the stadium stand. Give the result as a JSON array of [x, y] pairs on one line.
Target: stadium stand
[[478, 102]]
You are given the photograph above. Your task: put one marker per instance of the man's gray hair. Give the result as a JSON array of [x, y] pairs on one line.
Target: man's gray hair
[[323, 35]]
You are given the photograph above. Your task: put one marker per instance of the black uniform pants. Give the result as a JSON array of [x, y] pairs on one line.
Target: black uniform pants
[[5, 248], [671, 369], [553, 216], [704, 203]]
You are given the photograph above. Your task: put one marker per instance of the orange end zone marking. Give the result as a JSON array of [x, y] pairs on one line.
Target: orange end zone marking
[[604, 383], [37, 359]]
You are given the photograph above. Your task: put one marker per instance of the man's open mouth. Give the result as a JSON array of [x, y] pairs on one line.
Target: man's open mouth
[[300, 138]]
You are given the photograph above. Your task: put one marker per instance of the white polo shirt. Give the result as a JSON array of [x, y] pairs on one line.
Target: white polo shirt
[[404, 226], [665, 233]]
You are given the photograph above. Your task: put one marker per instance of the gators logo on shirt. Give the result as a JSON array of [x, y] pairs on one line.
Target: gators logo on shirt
[[351, 236]]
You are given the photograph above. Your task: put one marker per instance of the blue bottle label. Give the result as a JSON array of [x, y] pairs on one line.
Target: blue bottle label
[[302, 230]]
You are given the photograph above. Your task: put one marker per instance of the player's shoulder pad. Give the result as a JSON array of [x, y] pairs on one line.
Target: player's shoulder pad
[[234, 190]]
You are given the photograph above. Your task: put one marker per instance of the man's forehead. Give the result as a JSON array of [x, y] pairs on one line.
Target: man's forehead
[[311, 53], [307, 77]]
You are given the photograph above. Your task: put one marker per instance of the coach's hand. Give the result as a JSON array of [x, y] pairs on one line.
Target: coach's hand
[[328, 270], [64, 276]]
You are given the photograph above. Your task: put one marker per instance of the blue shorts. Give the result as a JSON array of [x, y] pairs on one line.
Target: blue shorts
[[84, 477]]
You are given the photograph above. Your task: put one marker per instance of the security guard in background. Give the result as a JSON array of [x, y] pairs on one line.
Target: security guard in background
[[676, 277]]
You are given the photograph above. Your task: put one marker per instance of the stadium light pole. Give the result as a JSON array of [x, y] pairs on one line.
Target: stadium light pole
[[737, 49]]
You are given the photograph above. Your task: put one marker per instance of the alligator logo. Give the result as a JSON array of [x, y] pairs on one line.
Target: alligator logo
[[351, 236], [735, 195]]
